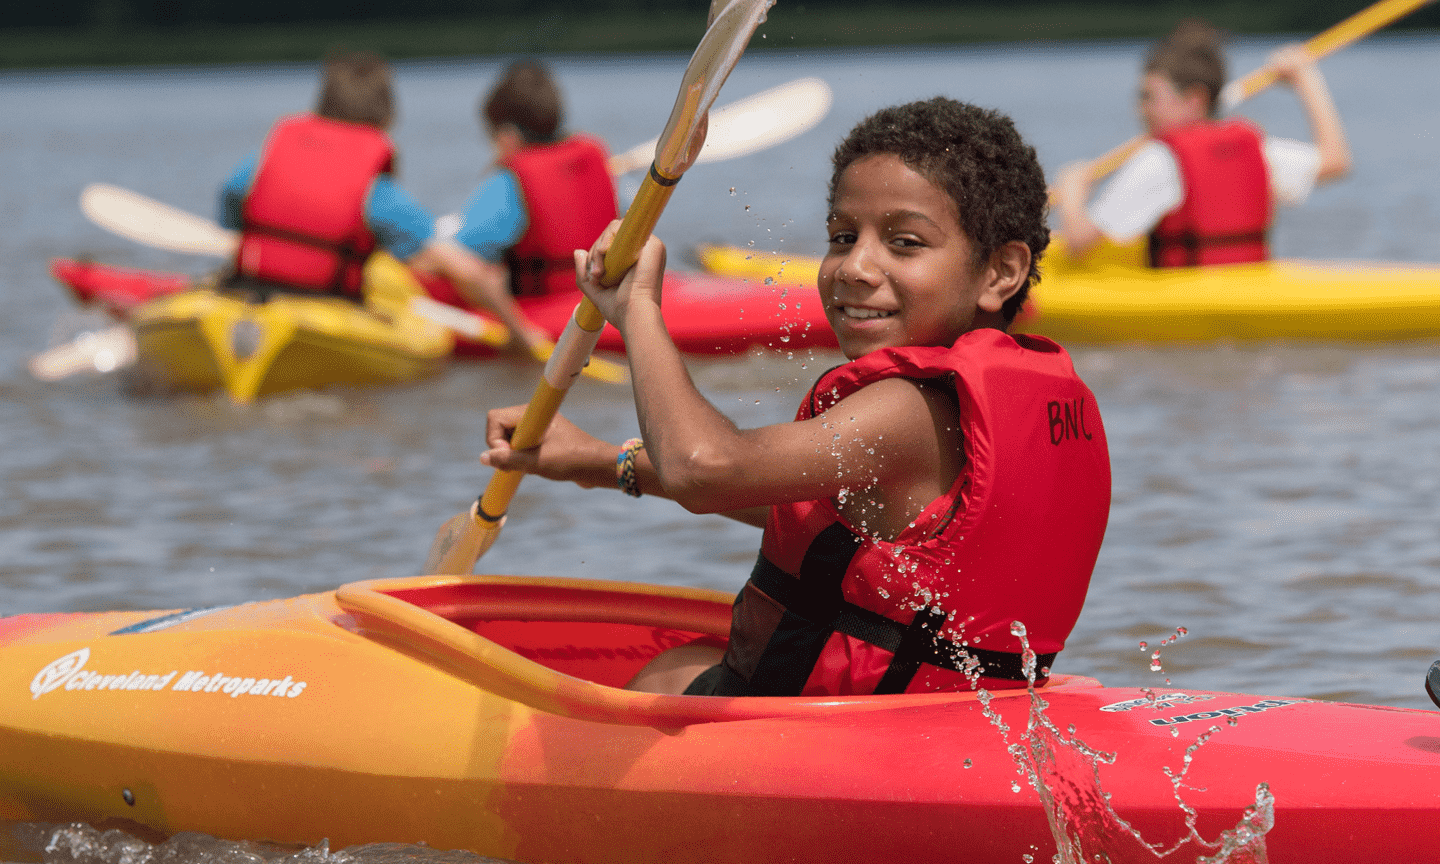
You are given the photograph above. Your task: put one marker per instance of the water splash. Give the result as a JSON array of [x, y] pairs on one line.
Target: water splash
[[1155, 665], [1065, 773], [78, 843]]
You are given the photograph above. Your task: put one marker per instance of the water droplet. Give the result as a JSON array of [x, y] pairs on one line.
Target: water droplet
[[747, 208], [732, 190], [785, 338], [1144, 645], [967, 763], [1015, 786]]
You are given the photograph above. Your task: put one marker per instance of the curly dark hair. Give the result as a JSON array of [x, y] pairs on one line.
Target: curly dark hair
[[978, 159]]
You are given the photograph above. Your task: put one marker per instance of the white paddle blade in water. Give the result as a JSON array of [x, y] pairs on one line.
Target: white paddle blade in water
[[95, 352]]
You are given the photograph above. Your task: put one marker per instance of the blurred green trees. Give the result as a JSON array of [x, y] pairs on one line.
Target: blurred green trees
[[99, 32]]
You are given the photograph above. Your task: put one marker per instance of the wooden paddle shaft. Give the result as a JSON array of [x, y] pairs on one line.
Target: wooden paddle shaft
[[1357, 26]]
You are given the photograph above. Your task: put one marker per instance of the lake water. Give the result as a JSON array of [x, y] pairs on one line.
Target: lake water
[[1277, 500]]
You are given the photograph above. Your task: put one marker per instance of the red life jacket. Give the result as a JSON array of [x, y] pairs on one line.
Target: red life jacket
[[303, 221], [569, 199], [831, 611], [1225, 217]]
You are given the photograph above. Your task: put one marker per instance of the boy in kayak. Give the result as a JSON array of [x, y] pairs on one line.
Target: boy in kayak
[[551, 192], [945, 483], [321, 196], [1204, 189]]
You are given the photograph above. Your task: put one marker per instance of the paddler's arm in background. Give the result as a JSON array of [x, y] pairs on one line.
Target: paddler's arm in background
[[482, 284], [1072, 195], [1294, 65], [492, 221], [407, 231], [1129, 206]]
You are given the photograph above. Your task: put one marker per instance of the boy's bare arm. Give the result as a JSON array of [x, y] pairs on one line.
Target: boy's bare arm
[[481, 284], [882, 453], [1072, 194], [1295, 65]]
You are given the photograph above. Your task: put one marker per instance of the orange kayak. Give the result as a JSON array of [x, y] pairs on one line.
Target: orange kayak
[[486, 713]]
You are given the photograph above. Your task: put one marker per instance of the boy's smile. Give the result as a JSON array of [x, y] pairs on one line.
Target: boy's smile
[[900, 269]]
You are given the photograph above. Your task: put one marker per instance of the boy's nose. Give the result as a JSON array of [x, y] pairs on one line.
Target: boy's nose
[[859, 265]]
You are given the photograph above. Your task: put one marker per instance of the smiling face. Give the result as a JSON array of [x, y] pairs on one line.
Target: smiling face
[[900, 270]]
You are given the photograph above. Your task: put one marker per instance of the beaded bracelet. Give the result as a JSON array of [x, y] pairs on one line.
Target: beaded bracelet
[[625, 477]]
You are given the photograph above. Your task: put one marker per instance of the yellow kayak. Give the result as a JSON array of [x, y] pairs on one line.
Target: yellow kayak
[[205, 338], [1113, 297]]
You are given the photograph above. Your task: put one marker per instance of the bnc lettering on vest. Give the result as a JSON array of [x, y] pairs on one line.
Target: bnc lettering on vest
[[1067, 420]]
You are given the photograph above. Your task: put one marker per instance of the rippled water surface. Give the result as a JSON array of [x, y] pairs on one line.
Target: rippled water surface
[[1276, 500]]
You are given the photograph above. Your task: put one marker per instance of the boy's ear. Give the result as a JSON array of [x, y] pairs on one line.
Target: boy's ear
[[1007, 271]]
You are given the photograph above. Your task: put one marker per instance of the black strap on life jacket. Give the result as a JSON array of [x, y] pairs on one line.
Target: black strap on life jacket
[[1191, 243], [346, 255], [815, 608]]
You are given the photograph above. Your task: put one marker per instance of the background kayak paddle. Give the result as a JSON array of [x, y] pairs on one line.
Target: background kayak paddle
[[749, 125], [462, 540]]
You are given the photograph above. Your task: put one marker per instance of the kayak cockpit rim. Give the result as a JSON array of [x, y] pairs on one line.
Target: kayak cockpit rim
[[584, 638]]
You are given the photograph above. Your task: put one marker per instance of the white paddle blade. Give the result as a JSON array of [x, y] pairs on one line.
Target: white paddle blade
[[765, 119], [145, 220], [96, 352], [748, 126]]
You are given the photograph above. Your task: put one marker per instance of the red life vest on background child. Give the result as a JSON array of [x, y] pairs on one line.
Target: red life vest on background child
[[303, 221], [831, 611], [1225, 217], [569, 199]]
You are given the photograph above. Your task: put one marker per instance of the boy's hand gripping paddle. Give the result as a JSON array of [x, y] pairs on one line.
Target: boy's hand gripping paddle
[[461, 541]]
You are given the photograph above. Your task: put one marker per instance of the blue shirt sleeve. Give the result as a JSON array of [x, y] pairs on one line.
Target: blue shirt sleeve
[[232, 194], [494, 218], [401, 226]]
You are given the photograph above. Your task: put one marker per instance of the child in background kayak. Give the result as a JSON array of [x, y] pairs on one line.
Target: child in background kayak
[[1204, 189], [946, 482], [321, 196], [551, 192]]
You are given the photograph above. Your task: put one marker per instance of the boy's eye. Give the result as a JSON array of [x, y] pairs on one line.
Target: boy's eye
[[907, 242], [842, 238]]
